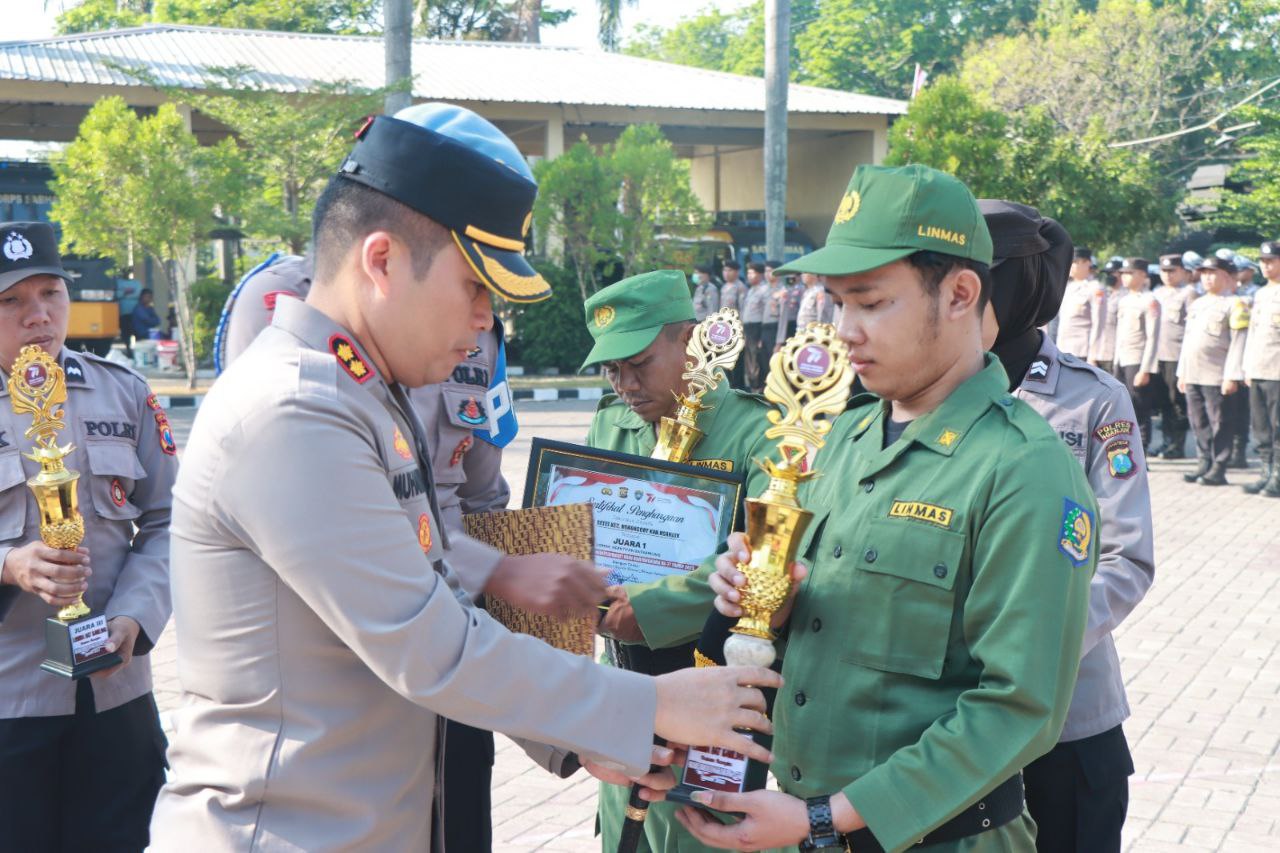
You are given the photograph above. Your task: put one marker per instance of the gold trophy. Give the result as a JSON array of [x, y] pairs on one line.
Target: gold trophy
[[809, 378], [713, 349], [75, 641]]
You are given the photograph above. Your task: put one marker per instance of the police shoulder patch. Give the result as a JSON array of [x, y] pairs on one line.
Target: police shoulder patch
[[1076, 534], [349, 357], [1108, 431], [424, 532], [167, 444], [1120, 464]]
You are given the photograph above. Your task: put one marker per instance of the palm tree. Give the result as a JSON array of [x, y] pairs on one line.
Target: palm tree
[[611, 21]]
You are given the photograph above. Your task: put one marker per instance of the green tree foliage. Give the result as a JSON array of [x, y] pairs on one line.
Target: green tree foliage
[[551, 333], [1258, 209], [485, 20], [290, 147], [607, 206], [128, 187], [303, 16], [1105, 197]]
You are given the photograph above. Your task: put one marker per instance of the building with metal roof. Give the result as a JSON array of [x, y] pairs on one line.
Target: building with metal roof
[[542, 96]]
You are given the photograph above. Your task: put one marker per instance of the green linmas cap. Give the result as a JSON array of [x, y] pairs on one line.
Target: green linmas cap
[[889, 213], [626, 317]]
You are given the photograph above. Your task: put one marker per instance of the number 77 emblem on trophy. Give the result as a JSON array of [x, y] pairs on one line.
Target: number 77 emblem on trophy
[[75, 641], [809, 380]]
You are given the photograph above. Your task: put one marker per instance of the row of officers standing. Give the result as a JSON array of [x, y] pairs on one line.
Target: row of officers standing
[[1200, 347]]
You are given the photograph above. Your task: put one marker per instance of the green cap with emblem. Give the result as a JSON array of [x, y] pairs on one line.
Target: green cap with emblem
[[626, 317], [889, 213]]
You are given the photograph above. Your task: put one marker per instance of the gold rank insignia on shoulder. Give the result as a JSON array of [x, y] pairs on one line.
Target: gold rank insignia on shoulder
[[349, 357], [948, 437], [920, 511]]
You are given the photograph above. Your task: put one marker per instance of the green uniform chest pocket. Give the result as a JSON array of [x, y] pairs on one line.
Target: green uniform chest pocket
[[904, 597]]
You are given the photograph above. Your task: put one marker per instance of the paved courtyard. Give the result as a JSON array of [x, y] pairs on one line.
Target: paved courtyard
[[1201, 658]]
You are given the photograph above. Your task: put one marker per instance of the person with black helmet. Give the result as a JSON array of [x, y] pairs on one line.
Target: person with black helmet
[[1084, 308], [1104, 353], [1175, 298], [326, 611], [1137, 341], [1078, 793], [1210, 369], [1262, 372]]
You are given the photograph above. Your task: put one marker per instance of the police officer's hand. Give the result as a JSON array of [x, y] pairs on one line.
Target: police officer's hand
[[771, 819], [655, 783], [122, 634], [1141, 379], [620, 620], [727, 579], [1230, 386], [57, 576], [550, 584], [705, 705]]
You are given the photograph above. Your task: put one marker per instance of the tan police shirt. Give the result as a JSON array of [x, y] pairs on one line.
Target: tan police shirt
[[706, 300], [1109, 299], [1093, 415], [1262, 348], [754, 307], [323, 617], [123, 448], [733, 295], [1138, 331], [1081, 317], [252, 303], [816, 306], [1213, 349], [1174, 302]]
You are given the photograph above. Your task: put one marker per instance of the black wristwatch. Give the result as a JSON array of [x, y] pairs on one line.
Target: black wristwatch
[[822, 829]]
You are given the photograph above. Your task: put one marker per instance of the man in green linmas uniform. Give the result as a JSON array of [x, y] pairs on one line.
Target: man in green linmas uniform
[[641, 327]]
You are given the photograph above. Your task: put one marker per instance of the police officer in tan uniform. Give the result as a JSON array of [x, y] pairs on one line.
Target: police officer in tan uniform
[[1175, 298], [1078, 793], [466, 456], [1084, 308], [1138, 340], [706, 293], [326, 611], [1262, 372], [816, 305], [1104, 354], [80, 761], [753, 314], [1210, 369], [733, 294]]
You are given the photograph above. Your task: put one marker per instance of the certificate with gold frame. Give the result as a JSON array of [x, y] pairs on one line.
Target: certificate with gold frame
[[652, 518]]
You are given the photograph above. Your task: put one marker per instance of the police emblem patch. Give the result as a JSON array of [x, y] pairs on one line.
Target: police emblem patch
[[1077, 532], [162, 426], [604, 316], [472, 412], [401, 446], [17, 247], [118, 497], [347, 355], [1120, 459], [424, 532]]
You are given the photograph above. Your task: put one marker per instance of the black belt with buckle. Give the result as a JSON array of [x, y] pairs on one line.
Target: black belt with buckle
[[995, 809]]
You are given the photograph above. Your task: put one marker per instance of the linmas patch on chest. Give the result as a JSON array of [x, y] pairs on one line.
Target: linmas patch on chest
[[920, 511]]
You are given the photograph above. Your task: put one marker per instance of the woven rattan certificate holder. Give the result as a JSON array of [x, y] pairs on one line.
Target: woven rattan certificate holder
[[567, 529]]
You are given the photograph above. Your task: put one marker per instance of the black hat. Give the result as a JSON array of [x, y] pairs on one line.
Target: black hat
[[705, 268], [773, 264], [756, 266], [455, 167], [1031, 260], [1270, 249], [27, 249], [1135, 265], [1113, 265], [731, 264], [1172, 262], [1214, 262], [1084, 253]]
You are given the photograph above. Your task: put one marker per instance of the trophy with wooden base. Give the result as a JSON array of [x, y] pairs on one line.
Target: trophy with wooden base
[[75, 640], [713, 350], [809, 379]]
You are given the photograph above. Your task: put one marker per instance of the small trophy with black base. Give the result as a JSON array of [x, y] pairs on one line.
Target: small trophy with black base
[[809, 379], [75, 640]]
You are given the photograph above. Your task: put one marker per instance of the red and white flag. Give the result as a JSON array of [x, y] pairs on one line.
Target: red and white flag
[[921, 78]]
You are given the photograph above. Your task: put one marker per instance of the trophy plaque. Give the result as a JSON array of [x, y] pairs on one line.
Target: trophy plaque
[[713, 349], [809, 379], [75, 640]]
